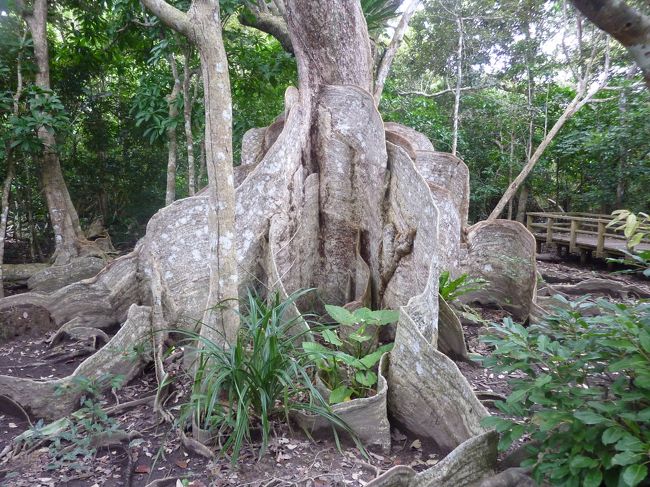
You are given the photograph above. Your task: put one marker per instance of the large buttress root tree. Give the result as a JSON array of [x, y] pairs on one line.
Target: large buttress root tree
[[332, 198]]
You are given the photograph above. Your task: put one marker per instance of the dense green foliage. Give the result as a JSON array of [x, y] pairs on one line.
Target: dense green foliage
[[581, 392]]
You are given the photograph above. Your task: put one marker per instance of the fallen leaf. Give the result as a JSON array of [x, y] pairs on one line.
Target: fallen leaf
[[181, 463], [142, 468], [416, 445]]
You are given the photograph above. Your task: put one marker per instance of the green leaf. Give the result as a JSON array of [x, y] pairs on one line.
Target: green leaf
[[356, 337], [371, 359], [644, 340], [630, 443], [635, 240], [499, 424], [626, 458], [589, 417], [643, 381], [593, 478], [340, 315], [580, 461], [367, 378], [364, 314], [385, 316], [634, 474], [612, 435], [517, 395], [313, 347], [542, 343], [340, 394], [330, 336]]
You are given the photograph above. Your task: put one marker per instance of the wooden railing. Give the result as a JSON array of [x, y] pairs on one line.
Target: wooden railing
[[580, 231]]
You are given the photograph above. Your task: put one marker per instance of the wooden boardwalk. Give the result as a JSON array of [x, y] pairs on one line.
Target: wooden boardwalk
[[580, 233]]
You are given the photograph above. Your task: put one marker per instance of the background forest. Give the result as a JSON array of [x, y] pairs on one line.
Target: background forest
[[483, 80]]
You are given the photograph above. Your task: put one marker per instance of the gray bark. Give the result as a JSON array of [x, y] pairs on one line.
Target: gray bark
[[625, 24], [201, 25], [188, 102], [172, 143], [391, 51]]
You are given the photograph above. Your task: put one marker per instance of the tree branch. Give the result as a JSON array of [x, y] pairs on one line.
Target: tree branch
[[170, 16], [625, 24], [270, 23], [391, 51], [443, 92]]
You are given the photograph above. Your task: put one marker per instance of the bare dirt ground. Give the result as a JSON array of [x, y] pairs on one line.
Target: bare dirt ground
[[156, 453]]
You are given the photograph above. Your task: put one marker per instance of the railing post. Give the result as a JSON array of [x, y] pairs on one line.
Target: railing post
[[529, 223], [549, 230], [574, 234], [600, 242]]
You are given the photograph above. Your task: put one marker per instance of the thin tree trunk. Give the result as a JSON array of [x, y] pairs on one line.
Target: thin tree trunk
[[11, 166], [459, 84], [172, 143], [522, 203], [202, 26], [63, 215], [187, 116], [6, 189], [510, 163], [202, 165], [391, 51]]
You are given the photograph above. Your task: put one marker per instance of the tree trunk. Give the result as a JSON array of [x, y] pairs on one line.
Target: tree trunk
[[459, 84], [188, 101], [202, 26], [511, 161], [172, 144], [4, 213], [63, 215], [365, 211], [522, 203], [202, 168], [391, 51]]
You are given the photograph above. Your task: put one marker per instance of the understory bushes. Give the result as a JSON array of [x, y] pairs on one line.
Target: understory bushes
[[580, 393]]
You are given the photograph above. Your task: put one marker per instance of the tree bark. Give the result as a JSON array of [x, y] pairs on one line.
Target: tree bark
[[188, 101], [522, 203], [391, 51], [268, 18], [172, 143], [459, 84], [63, 215], [625, 24], [4, 214], [201, 25]]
